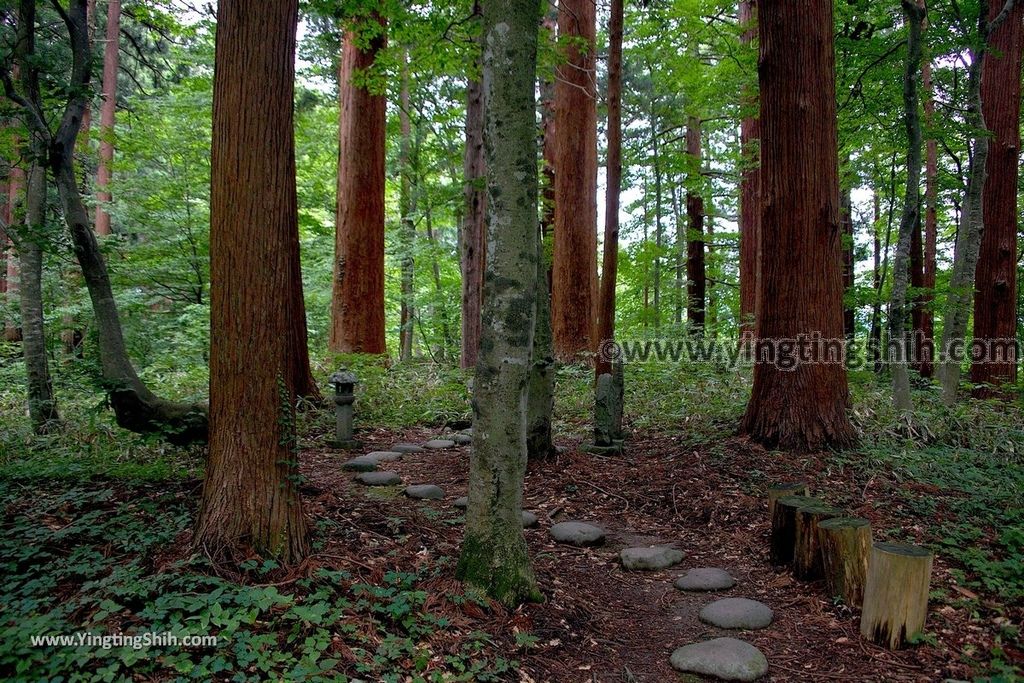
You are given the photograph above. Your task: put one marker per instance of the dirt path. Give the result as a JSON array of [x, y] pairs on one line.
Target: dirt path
[[601, 623]]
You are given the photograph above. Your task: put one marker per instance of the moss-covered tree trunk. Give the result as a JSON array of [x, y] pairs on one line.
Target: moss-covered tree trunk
[[250, 498], [494, 555]]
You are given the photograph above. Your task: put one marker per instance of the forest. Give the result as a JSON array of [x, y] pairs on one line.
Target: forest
[[511, 340]]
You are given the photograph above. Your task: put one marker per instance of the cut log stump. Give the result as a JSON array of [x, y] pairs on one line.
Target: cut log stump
[[807, 564], [784, 527], [896, 594], [789, 488], [845, 547]]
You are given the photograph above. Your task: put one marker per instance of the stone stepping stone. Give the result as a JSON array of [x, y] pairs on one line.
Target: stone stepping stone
[[384, 456], [737, 613], [439, 444], [425, 492], [407, 448], [462, 502], [468, 431], [577, 533], [363, 463], [705, 579], [462, 439], [379, 479], [529, 519], [727, 659], [650, 559]]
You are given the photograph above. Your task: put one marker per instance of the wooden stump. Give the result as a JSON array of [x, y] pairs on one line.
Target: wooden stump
[[807, 564], [896, 593], [845, 547], [789, 488], [784, 527]]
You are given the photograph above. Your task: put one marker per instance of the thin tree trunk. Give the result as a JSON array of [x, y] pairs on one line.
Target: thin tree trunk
[[474, 228], [610, 260], [541, 393], [658, 232], [435, 269], [849, 264], [680, 256], [875, 334], [899, 342], [972, 225], [108, 112], [696, 273], [995, 297], [406, 202], [494, 554], [357, 302], [750, 189], [250, 498], [575, 249], [931, 222], [42, 406], [801, 407], [15, 185]]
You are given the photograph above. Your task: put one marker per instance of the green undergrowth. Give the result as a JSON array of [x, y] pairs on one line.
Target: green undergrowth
[[88, 560]]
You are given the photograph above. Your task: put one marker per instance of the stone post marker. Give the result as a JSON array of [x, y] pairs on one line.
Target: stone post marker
[[344, 382], [608, 435]]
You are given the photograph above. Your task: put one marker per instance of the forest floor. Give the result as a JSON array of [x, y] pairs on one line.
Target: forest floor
[[96, 529]]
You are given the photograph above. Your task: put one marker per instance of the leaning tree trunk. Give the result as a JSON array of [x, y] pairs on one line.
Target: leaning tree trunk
[[250, 499], [42, 406], [357, 302], [696, 273], [750, 187], [108, 112], [969, 233], [801, 287], [494, 554], [995, 298], [610, 257], [574, 280], [899, 341], [474, 226]]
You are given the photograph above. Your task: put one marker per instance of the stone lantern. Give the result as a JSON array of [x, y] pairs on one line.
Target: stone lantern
[[344, 383]]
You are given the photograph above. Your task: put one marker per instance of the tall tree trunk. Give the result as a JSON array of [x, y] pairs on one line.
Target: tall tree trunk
[[931, 223], [250, 499], [995, 297], [801, 287], [541, 393], [494, 554], [108, 112], [919, 358], [357, 304], [575, 249], [42, 406], [680, 255], [658, 232], [711, 273], [972, 225], [899, 341], [875, 335], [406, 202], [474, 228], [15, 186], [849, 264], [696, 273], [610, 259], [435, 269], [750, 189]]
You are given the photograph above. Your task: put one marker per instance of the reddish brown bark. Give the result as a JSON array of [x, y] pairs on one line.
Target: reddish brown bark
[[801, 287], [357, 305], [108, 112], [925, 346], [250, 500], [921, 362], [995, 298], [696, 270], [474, 226], [750, 189], [610, 260], [574, 286]]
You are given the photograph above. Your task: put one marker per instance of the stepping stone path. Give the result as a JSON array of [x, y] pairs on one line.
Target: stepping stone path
[[462, 439], [650, 559], [737, 613], [725, 658], [407, 448], [705, 579], [439, 444], [379, 478], [462, 502], [425, 492], [363, 463], [384, 456], [577, 533], [529, 519]]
